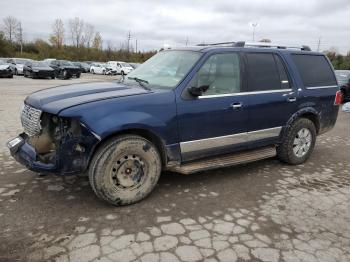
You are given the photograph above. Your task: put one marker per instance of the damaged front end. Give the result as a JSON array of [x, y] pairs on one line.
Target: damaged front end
[[52, 144]]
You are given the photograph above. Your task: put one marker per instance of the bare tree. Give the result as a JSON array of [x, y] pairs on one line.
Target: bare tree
[[10, 27], [97, 42], [89, 32], [76, 27], [57, 36]]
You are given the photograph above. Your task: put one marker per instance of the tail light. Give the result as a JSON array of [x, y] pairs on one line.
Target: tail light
[[338, 98]]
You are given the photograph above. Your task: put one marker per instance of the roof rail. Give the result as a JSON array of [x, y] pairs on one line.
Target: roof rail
[[258, 44]]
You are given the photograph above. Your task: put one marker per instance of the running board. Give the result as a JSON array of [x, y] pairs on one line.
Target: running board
[[224, 160]]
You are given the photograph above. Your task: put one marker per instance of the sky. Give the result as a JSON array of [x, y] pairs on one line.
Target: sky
[[157, 23]]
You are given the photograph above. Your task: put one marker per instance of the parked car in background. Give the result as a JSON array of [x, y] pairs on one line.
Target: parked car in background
[[12, 66], [122, 68], [38, 69], [65, 69], [134, 65], [19, 64], [98, 68], [84, 67], [5, 70], [343, 77], [184, 110]]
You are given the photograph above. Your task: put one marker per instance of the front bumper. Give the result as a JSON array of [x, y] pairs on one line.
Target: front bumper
[[25, 154], [6, 73], [20, 70], [45, 74], [72, 156]]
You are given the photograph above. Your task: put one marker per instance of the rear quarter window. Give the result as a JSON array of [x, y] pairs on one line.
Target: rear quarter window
[[315, 70]]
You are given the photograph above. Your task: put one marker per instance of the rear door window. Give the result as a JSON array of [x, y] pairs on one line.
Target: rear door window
[[315, 70], [263, 72]]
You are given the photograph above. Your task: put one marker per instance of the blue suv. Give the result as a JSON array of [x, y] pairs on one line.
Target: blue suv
[[184, 110]]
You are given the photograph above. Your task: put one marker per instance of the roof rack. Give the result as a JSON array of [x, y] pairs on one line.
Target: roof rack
[[258, 44]]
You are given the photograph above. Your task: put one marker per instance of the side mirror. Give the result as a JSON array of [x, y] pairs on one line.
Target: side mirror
[[198, 90]]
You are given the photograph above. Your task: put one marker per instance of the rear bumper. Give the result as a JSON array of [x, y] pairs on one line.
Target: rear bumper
[[25, 154]]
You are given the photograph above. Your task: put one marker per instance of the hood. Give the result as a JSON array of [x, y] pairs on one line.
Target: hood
[[2, 67], [53, 100]]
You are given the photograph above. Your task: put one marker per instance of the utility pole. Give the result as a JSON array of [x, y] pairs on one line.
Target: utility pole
[[135, 45], [254, 25], [20, 36], [187, 41], [129, 38], [318, 44]]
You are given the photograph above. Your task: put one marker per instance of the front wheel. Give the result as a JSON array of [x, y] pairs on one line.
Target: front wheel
[[298, 143], [125, 170]]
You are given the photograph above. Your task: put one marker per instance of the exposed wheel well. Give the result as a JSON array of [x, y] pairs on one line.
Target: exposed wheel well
[[143, 133], [313, 118]]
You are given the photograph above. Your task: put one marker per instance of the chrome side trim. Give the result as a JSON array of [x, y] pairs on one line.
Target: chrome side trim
[[265, 133], [320, 87], [247, 93], [221, 141], [213, 142]]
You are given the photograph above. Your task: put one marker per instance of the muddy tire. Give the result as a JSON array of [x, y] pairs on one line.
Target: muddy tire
[[298, 142], [125, 170]]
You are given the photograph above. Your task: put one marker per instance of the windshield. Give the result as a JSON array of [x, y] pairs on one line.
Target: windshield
[[66, 63], [342, 76], [21, 61], [39, 64], [166, 69], [125, 65]]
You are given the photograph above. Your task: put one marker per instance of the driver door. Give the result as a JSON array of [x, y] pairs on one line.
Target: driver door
[[215, 122]]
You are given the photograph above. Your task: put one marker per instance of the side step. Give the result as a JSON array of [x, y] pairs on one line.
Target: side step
[[224, 160]]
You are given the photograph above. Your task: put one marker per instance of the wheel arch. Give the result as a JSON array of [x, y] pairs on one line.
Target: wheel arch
[[149, 135], [308, 113]]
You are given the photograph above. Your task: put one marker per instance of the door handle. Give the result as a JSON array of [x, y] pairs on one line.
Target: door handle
[[236, 105], [291, 99]]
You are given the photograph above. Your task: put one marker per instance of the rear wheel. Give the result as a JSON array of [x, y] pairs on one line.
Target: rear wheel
[[125, 170], [298, 143]]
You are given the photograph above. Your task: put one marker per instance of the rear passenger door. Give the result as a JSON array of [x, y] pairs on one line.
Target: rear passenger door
[[272, 97]]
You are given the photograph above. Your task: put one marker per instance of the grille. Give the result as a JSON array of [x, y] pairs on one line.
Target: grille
[[30, 118]]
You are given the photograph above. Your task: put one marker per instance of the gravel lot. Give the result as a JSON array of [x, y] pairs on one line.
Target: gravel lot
[[264, 211]]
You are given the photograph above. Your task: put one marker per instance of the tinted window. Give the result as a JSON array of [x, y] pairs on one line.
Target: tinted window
[[263, 72], [221, 72], [314, 70]]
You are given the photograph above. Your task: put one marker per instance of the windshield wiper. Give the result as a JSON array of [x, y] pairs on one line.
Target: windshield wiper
[[141, 82]]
